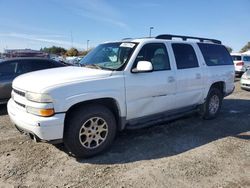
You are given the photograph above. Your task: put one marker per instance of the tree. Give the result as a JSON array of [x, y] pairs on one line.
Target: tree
[[83, 53], [229, 49], [54, 50], [72, 52], [245, 48]]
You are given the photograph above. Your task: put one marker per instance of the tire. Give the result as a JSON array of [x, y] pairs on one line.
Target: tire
[[89, 131], [211, 108]]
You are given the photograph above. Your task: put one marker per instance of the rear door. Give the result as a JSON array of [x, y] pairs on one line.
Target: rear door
[[189, 75]]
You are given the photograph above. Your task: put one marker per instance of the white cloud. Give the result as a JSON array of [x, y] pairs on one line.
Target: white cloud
[[41, 39], [97, 10]]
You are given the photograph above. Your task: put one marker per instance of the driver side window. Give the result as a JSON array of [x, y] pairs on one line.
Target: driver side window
[[156, 53]]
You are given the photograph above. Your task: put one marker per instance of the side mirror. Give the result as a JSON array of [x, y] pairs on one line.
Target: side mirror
[[143, 66]]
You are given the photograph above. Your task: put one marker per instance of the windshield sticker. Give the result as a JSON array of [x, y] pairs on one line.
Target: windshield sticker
[[127, 45]]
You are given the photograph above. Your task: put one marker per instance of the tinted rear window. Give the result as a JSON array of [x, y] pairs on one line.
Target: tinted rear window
[[185, 56], [215, 55], [236, 57]]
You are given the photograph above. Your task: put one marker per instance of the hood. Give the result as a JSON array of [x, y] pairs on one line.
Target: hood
[[41, 80], [248, 73]]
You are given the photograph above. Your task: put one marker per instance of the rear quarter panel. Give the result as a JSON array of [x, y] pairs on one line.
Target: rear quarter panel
[[224, 73]]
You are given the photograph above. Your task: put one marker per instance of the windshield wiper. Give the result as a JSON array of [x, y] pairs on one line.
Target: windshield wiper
[[96, 66], [91, 66]]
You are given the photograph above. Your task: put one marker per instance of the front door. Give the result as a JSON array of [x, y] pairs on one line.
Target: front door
[[150, 92]]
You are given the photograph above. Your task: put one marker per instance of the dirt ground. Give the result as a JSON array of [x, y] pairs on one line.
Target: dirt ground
[[189, 152]]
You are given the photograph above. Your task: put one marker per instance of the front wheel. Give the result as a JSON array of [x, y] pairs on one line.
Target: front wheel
[[89, 131], [211, 108]]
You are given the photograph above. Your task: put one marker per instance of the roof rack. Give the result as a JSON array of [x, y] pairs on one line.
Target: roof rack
[[170, 37], [127, 38]]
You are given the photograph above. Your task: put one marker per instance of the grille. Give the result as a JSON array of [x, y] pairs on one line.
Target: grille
[[19, 92], [22, 105], [246, 85]]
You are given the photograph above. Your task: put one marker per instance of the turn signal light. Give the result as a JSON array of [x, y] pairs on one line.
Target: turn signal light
[[40, 112], [46, 112]]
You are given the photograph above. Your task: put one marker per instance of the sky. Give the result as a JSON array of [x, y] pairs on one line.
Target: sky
[[35, 24]]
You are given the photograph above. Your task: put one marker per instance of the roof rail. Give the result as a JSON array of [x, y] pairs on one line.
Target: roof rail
[[127, 38], [170, 37]]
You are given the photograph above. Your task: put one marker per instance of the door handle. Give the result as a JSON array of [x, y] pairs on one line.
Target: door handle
[[171, 79], [198, 76]]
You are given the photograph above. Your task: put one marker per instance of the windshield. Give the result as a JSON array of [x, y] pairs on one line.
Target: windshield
[[109, 56]]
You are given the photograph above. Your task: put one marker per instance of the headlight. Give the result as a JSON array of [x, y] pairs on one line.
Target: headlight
[[37, 97], [40, 112]]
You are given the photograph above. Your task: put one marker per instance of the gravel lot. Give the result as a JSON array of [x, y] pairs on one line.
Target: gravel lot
[[188, 152]]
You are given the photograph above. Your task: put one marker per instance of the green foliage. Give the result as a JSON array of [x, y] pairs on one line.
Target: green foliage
[[72, 52], [229, 49], [61, 51], [245, 48], [54, 50]]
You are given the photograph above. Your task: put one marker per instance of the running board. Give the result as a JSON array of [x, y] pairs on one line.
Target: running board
[[167, 118]]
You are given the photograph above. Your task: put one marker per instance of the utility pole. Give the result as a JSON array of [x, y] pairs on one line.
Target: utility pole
[[71, 37], [87, 45], [150, 31]]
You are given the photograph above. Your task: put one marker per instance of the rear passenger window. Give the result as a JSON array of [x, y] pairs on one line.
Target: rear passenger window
[[215, 55], [41, 64], [24, 66], [8, 68], [185, 56]]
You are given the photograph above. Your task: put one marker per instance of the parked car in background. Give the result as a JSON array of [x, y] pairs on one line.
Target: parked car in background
[[245, 80], [74, 60], [241, 62], [10, 69]]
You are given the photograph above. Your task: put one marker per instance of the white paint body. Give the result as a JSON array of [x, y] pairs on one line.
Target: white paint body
[[136, 94]]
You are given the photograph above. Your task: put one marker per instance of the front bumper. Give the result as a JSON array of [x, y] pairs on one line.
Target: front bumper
[[45, 128], [245, 83]]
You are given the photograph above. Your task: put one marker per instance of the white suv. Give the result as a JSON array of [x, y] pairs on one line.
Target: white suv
[[126, 84]]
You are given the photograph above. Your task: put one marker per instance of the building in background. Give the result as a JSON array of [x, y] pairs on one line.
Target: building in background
[[11, 53]]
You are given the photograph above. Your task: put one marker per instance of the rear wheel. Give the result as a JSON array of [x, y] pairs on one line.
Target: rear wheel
[[211, 108], [89, 131]]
